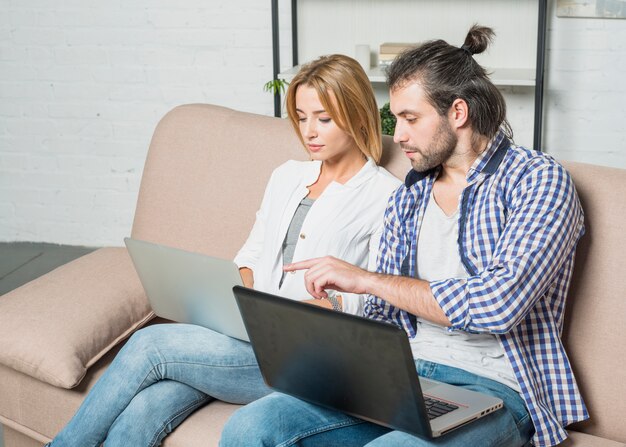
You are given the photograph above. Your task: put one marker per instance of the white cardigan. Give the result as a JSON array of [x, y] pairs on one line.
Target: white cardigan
[[345, 221]]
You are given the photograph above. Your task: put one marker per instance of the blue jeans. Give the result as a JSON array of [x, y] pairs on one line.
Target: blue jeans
[[160, 376], [281, 420]]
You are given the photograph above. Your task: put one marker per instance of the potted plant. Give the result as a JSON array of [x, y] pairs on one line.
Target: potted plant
[[276, 86], [387, 120]]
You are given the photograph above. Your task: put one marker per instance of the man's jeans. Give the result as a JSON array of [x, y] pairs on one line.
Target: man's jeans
[[281, 420], [160, 376]]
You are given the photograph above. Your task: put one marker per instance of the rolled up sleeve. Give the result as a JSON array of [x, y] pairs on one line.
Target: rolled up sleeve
[[544, 223]]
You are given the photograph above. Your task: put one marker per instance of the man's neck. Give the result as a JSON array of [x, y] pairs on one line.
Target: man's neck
[[452, 178], [468, 149]]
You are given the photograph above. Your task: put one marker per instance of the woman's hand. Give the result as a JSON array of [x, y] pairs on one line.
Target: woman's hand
[[247, 276], [323, 302], [320, 303]]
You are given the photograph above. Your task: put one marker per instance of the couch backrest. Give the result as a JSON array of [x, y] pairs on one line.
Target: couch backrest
[[203, 159], [594, 332], [205, 175]]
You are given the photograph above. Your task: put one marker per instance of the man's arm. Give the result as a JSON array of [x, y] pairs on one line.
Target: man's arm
[[543, 225], [412, 295]]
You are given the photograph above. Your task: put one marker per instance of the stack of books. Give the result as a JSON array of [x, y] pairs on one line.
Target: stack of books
[[389, 51]]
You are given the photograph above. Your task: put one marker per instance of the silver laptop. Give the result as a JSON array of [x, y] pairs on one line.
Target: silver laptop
[[189, 287], [356, 365]]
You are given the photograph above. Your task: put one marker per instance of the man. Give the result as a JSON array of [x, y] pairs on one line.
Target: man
[[474, 263]]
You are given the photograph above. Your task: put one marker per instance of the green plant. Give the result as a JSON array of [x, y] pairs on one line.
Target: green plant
[[276, 86], [387, 120]]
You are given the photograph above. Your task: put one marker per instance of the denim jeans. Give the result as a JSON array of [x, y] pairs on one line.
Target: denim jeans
[[280, 420], [160, 376]]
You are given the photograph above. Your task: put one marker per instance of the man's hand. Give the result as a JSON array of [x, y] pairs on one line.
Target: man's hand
[[410, 294], [330, 273]]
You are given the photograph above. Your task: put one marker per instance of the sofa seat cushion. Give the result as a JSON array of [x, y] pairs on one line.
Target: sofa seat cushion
[[203, 428], [60, 324], [579, 439]]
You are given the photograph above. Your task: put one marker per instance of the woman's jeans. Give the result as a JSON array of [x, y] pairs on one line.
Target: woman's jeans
[[280, 420], [160, 376]]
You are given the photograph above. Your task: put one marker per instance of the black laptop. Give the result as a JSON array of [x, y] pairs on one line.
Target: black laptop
[[353, 364]]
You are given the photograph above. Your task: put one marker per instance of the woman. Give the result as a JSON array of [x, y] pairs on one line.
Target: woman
[[331, 205]]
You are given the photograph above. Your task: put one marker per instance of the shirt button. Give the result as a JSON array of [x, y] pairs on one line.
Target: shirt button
[[302, 236]]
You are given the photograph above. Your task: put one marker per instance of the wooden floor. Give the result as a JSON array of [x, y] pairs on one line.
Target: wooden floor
[[21, 262]]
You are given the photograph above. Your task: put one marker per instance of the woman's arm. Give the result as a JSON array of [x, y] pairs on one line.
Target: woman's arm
[[250, 253], [247, 276]]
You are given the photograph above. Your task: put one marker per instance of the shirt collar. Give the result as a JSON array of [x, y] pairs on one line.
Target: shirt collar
[[487, 162]]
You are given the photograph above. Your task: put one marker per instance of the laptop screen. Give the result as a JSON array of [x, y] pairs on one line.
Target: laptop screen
[[340, 361]]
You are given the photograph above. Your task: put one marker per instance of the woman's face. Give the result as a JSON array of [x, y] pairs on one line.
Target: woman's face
[[323, 138]]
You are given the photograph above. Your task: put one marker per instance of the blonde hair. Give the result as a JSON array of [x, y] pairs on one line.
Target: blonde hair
[[354, 109]]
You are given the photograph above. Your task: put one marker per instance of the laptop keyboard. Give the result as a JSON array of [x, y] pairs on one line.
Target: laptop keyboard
[[436, 408]]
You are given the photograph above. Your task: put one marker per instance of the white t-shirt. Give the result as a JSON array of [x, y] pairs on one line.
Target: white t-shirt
[[438, 258]]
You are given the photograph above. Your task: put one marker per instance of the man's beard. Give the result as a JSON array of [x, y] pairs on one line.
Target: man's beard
[[441, 148]]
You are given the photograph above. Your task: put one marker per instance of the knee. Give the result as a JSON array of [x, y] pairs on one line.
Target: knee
[[139, 350], [248, 426], [148, 334], [144, 339]]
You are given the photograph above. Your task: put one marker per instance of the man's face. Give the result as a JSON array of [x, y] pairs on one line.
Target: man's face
[[425, 136]]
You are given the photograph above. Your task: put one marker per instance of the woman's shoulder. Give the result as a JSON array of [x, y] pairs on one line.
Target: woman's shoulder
[[386, 178]]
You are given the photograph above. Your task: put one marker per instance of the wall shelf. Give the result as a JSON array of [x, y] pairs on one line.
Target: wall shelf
[[503, 77]]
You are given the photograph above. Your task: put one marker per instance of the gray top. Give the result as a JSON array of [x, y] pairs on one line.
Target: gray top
[[293, 232]]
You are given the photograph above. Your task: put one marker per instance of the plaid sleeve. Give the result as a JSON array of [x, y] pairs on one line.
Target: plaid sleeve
[[544, 223], [392, 240]]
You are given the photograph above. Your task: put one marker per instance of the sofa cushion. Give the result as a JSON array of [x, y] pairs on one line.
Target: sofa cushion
[[578, 439], [203, 428], [596, 305], [39, 410], [104, 304]]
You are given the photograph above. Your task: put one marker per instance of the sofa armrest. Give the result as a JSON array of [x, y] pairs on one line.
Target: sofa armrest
[[56, 326]]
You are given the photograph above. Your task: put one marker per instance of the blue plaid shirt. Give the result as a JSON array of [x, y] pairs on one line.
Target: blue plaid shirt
[[519, 224]]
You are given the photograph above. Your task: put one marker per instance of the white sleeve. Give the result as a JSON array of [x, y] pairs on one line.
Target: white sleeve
[[251, 250], [353, 303]]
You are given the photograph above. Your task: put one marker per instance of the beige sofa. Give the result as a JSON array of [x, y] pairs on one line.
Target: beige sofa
[[203, 181]]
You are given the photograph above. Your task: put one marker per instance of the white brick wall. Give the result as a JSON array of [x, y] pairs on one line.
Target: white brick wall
[[585, 93], [83, 83]]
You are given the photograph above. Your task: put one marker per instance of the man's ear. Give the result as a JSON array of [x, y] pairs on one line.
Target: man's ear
[[458, 114]]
